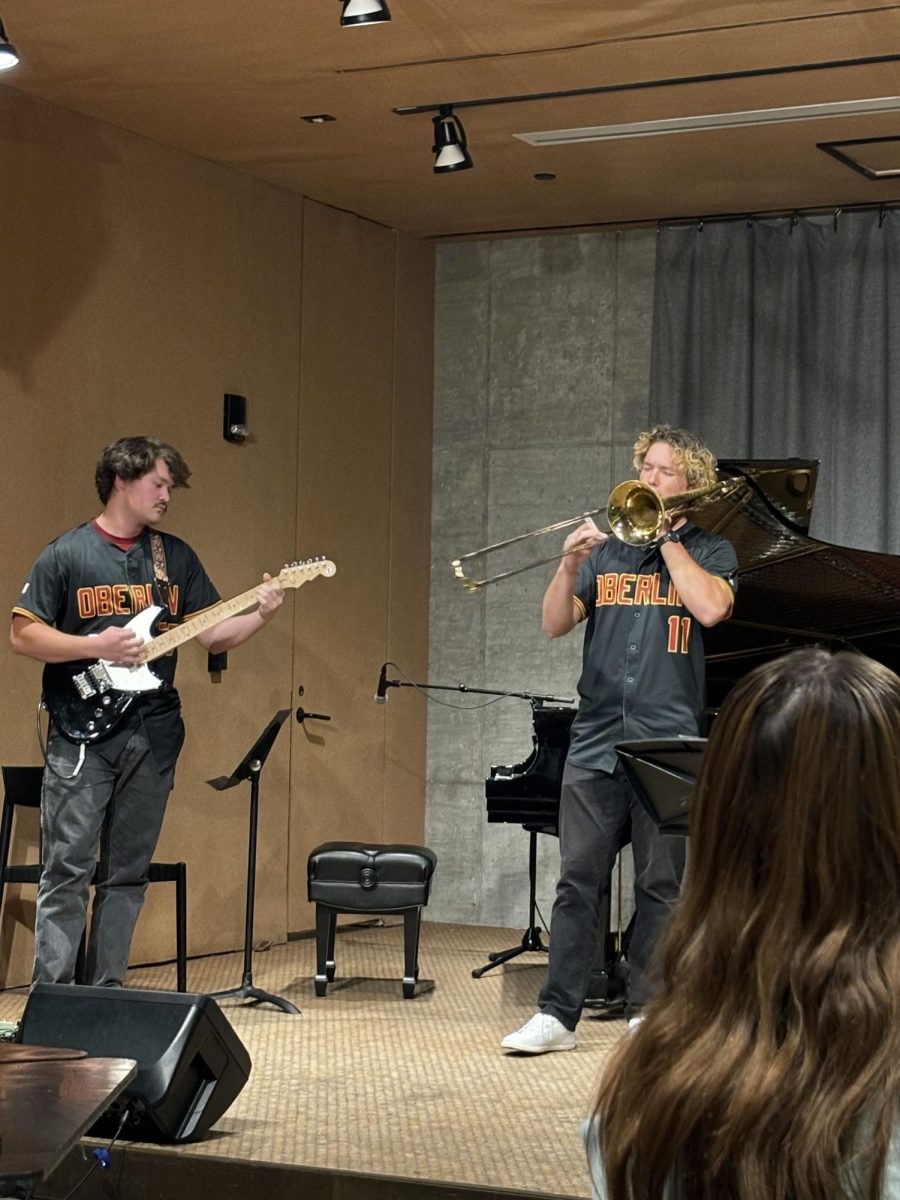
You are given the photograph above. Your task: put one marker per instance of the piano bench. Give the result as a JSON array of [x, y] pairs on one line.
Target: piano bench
[[359, 877]]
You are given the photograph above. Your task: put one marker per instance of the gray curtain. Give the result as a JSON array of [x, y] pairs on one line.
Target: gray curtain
[[782, 338]]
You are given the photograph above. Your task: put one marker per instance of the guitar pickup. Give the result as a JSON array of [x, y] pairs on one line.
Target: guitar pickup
[[100, 676]]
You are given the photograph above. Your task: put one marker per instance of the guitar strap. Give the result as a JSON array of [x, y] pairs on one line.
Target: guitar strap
[[160, 572]]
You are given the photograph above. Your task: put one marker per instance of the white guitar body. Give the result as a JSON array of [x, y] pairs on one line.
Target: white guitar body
[[139, 678]]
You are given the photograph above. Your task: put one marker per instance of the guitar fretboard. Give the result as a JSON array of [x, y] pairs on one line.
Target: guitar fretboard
[[179, 634]]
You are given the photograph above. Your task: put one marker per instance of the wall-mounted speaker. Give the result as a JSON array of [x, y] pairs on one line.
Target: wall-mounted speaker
[[191, 1063]]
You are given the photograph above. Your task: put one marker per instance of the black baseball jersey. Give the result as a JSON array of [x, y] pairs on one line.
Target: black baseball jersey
[[642, 665], [83, 582]]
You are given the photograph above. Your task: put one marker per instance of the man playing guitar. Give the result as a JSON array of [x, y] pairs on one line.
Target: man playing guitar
[[106, 784]]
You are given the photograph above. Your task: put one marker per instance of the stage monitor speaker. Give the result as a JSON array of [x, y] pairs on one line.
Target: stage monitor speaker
[[191, 1063]]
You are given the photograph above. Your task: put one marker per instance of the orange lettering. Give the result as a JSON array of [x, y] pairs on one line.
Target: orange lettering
[[642, 589], [86, 605], [672, 647], [656, 598], [118, 599], [623, 596], [678, 627], [141, 596], [686, 624], [606, 589]]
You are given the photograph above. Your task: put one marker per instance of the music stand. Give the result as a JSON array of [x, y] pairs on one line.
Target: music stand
[[250, 767], [531, 938], [662, 772]]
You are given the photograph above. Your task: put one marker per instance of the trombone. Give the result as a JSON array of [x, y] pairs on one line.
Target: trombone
[[635, 512]]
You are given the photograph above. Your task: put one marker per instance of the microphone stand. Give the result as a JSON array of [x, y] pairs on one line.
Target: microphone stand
[[531, 939], [534, 697]]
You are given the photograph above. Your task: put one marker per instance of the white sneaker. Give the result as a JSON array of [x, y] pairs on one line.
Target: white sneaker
[[540, 1035]]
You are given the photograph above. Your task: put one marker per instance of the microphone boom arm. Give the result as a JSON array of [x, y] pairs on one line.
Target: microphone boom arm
[[534, 697]]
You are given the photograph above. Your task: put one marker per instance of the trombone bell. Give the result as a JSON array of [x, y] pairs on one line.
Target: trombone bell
[[638, 514]]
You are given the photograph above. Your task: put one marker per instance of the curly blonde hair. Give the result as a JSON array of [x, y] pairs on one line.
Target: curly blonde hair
[[691, 455]]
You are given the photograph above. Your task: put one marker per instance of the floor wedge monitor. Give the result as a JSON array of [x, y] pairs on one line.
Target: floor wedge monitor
[[191, 1063]]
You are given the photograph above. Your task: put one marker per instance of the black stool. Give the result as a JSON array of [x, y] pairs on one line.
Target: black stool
[[357, 877]]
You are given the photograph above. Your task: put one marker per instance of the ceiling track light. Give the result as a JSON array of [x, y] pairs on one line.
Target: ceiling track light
[[364, 12], [8, 56], [451, 153], [450, 148]]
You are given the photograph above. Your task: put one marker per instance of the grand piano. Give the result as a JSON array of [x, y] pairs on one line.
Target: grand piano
[[793, 590]]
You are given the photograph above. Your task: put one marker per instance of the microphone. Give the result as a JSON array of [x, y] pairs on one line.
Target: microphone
[[381, 690]]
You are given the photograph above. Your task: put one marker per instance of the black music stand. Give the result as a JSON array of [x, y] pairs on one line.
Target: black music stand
[[250, 767], [662, 772]]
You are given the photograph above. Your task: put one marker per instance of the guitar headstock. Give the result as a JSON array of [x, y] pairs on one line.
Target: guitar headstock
[[293, 575]]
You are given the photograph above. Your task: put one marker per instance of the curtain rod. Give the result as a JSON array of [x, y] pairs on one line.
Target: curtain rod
[[794, 214], [657, 223]]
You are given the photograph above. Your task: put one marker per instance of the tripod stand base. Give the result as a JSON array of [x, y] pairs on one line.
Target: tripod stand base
[[248, 992], [531, 941]]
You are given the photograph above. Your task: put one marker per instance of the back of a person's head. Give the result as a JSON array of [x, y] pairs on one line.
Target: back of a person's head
[[775, 1039], [796, 815]]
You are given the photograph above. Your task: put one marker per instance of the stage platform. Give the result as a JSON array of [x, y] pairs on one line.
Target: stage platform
[[369, 1096]]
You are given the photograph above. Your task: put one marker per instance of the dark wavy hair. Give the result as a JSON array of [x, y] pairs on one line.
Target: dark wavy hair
[[131, 458], [768, 1068]]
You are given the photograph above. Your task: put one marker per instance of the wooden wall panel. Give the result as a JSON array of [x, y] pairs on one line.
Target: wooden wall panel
[[360, 457], [142, 284]]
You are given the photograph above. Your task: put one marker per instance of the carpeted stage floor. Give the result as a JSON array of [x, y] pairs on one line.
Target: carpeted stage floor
[[369, 1095]]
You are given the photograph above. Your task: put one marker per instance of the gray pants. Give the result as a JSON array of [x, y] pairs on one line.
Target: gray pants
[[598, 814], [107, 815]]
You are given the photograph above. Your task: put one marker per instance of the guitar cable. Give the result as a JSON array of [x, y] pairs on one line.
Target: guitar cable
[[44, 744]]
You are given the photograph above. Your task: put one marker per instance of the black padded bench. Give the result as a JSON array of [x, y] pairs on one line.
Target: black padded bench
[[359, 877]]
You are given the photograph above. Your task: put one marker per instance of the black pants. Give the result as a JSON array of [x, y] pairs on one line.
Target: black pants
[[598, 814]]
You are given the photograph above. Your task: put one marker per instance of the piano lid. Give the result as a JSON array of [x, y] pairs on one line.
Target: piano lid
[[793, 589]]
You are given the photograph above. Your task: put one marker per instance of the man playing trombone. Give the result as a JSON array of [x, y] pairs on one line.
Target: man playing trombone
[[642, 677]]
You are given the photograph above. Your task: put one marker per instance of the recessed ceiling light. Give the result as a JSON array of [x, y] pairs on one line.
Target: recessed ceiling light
[[318, 118]]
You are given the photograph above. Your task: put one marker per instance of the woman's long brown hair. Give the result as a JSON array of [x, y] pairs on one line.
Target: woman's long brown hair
[[777, 1026]]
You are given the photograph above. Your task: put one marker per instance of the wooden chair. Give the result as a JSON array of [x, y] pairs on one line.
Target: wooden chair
[[22, 789]]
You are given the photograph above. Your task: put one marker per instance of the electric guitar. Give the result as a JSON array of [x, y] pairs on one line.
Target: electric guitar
[[86, 700]]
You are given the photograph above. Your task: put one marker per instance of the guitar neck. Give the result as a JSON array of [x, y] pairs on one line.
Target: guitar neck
[[179, 634]]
